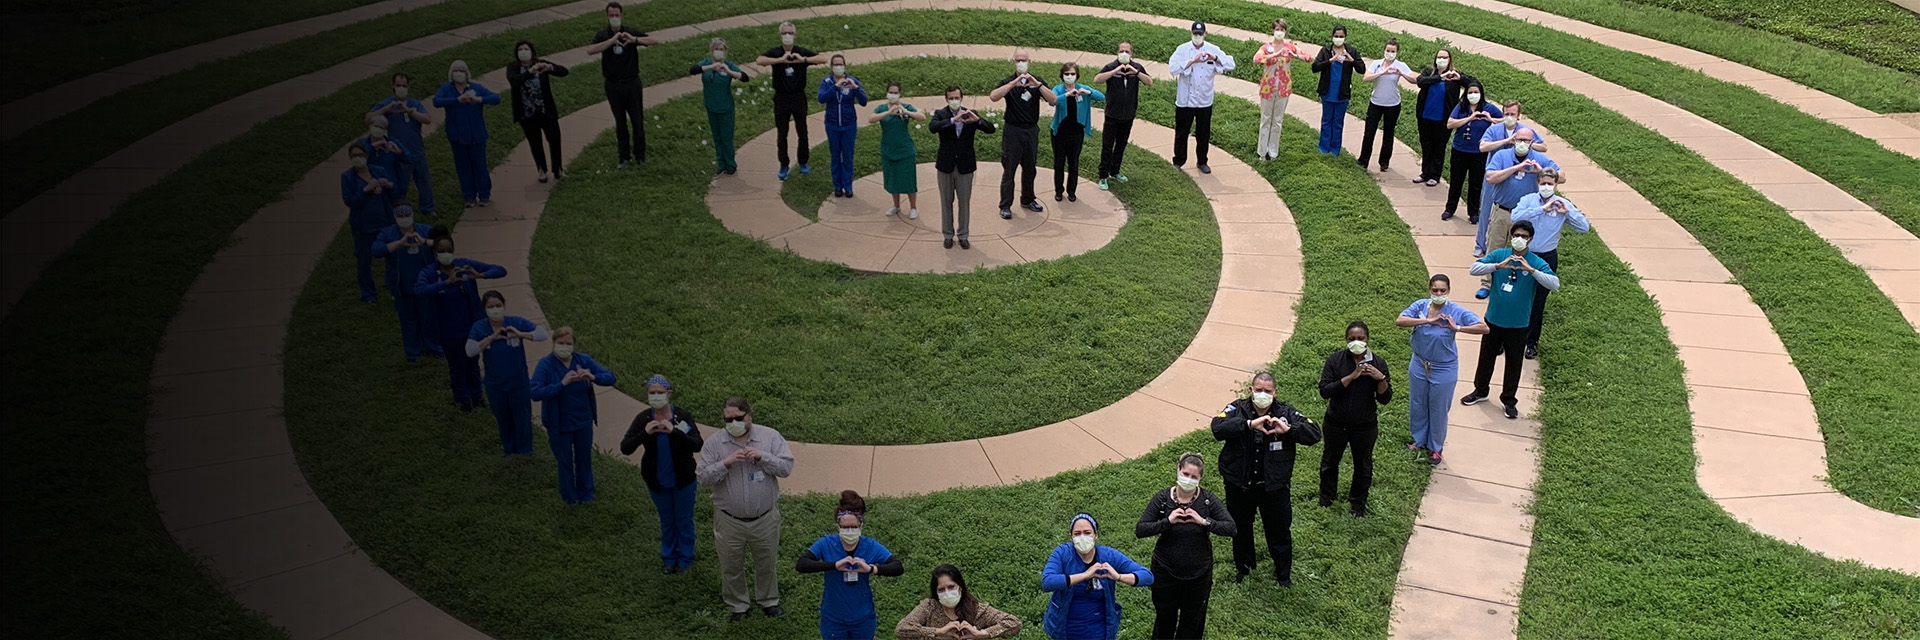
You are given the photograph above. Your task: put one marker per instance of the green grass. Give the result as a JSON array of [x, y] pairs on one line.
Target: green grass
[[67, 39], [1855, 80], [1875, 30], [506, 530]]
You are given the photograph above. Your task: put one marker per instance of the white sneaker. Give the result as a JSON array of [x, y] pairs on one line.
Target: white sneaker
[[913, 214], [893, 211]]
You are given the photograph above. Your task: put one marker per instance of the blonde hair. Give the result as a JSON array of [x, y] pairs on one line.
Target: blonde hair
[[562, 332], [459, 65]]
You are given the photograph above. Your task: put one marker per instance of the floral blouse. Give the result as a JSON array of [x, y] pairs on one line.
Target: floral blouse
[[1277, 82]]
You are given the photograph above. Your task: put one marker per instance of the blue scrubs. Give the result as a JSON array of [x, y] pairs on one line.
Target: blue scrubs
[[395, 164], [452, 308], [367, 213], [508, 392], [467, 132], [1087, 615], [403, 272], [404, 129], [1333, 110], [569, 412], [846, 608], [1507, 193], [843, 127], [1433, 371]]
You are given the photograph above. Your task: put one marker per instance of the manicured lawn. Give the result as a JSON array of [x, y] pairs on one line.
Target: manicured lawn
[[1882, 32]]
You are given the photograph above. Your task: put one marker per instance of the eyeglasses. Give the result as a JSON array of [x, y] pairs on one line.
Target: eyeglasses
[[736, 418]]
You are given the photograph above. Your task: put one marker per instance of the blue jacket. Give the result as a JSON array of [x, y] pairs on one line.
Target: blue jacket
[[402, 128], [570, 407], [455, 306], [394, 163], [403, 264], [366, 212], [464, 123], [1085, 107], [840, 111], [1064, 562]]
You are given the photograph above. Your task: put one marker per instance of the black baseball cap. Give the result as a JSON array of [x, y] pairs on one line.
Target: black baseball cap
[[1199, 27]]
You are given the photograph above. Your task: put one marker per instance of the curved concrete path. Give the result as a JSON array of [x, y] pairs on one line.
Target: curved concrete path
[[26, 113], [45, 226]]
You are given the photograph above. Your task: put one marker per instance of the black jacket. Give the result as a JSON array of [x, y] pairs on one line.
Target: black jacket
[[681, 446], [1323, 65], [1353, 403], [517, 74], [956, 151], [1243, 446], [1429, 80], [1183, 551]]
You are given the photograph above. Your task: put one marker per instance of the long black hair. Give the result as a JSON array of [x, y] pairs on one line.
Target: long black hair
[[965, 609]]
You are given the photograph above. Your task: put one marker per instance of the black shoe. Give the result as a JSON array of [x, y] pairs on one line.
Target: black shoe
[[1444, 215], [1179, 164], [1360, 511], [622, 165], [732, 171], [1206, 169], [1034, 206], [1058, 197], [1513, 412], [1363, 163], [1006, 214], [1072, 198], [1533, 352], [668, 570], [1286, 582], [1325, 502], [772, 612], [1473, 218], [466, 407], [1383, 168], [1472, 398], [1240, 576], [737, 616], [964, 244], [948, 243]]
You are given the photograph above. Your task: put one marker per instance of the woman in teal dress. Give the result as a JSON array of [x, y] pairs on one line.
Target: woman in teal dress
[[898, 159]]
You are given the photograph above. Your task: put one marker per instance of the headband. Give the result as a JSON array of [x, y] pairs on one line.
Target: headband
[[1089, 519], [660, 380], [862, 516]]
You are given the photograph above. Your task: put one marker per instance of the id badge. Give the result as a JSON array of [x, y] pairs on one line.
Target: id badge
[[1276, 445], [617, 50], [1028, 96], [513, 342], [1507, 287], [758, 476], [849, 577], [413, 251], [1096, 584], [789, 72]]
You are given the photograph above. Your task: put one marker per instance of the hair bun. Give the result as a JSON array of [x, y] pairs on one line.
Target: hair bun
[[850, 500]]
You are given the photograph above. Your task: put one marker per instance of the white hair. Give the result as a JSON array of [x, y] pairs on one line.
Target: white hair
[[788, 25], [717, 43], [459, 65]]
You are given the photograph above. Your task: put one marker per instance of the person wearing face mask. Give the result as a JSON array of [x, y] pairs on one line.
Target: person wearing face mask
[[1500, 135], [1123, 78], [386, 154], [841, 93], [1258, 437], [1441, 88], [451, 289], [1183, 517], [951, 611], [1337, 64], [1194, 67], [717, 75], [531, 78], [897, 154], [665, 434], [1512, 173], [1551, 215], [789, 63], [1072, 125], [462, 99], [405, 117], [955, 162], [1435, 368], [563, 385], [849, 559], [1354, 382], [1276, 85], [1082, 575], [1517, 276], [404, 246], [744, 464], [499, 341], [1383, 104], [1469, 121], [367, 191], [619, 50], [1020, 144]]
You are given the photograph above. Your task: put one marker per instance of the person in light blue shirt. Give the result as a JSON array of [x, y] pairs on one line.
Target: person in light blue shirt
[[563, 385], [1516, 273], [404, 246], [1072, 124], [849, 559], [463, 99], [1434, 370], [405, 117], [841, 93], [502, 339], [1081, 575], [367, 191], [1551, 215], [1469, 121], [1512, 172], [1500, 135]]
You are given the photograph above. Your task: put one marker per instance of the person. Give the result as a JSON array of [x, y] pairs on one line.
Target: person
[[1383, 105], [569, 411], [665, 431], [744, 464], [1276, 85], [1182, 517], [531, 78], [849, 558], [1194, 68], [950, 610], [386, 154], [898, 158], [1075, 113], [1551, 215], [1435, 368], [1517, 274], [789, 62], [1352, 381], [840, 93], [452, 293], [1441, 88], [619, 51], [1336, 63], [1500, 135], [1468, 121], [1020, 145], [405, 117], [367, 191], [1258, 438], [462, 99], [1512, 173], [1123, 78], [955, 162], [1081, 576], [717, 76], [500, 343], [404, 246]]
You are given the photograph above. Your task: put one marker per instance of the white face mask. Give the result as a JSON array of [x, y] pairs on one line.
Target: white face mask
[[614, 22], [1356, 347], [657, 400], [526, 55], [1020, 66], [562, 351], [1070, 78], [953, 104], [1199, 40], [359, 162], [893, 98], [1473, 98], [1545, 191], [404, 222], [377, 133], [400, 93], [849, 535], [949, 598], [736, 428], [1083, 544], [1521, 148], [1279, 35], [496, 314], [1262, 399], [1510, 121], [719, 55], [1519, 245], [1126, 57], [1390, 56], [1440, 62], [839, 70], [444, 258], [1440, 300], [1185, 483], [459, 77], [786, 39], [1339, 41]]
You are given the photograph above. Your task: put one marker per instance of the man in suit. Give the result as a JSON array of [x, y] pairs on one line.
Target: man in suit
[[956, 126]]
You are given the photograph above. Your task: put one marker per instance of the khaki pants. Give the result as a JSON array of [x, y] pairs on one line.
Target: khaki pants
[[1272, 112], [733, 540], [1499, 228]]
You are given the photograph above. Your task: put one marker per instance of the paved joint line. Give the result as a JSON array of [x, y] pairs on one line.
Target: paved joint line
[[223, 412], [376, 614], [248, 514], [1498, 484], [1697, 425], [1473, 535], [1777, 495], [1410, 585], [168, 376], [216, 464], [1484, 430], [343, 552]]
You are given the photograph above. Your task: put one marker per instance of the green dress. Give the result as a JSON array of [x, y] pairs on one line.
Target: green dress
[[898, 164]]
